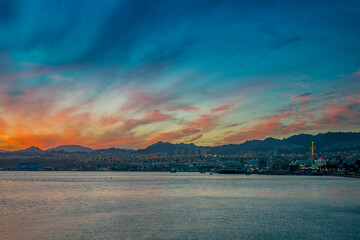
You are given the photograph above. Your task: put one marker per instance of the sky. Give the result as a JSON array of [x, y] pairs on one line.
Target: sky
[[130, 73]]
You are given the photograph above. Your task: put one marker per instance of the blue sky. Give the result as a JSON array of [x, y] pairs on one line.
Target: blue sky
[[130, 73]]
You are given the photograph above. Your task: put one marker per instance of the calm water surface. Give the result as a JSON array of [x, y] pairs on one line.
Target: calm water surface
[[122, 205]]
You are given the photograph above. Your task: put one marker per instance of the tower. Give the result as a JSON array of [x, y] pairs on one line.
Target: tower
[[312, 151]]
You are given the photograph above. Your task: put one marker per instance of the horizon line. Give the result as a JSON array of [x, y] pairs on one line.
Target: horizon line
[[94, 149]]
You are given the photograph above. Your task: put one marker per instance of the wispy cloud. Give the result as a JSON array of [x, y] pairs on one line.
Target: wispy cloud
[[221, 108], [120, 73]]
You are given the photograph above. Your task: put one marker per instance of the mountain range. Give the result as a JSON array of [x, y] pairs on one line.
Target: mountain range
[[294, 144], [332, 141], [71, 148]]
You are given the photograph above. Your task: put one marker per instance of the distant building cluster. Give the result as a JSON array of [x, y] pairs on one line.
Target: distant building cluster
[[191, 160]]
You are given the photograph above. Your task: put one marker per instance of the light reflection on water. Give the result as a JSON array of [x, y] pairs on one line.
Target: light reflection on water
[[128, 205]]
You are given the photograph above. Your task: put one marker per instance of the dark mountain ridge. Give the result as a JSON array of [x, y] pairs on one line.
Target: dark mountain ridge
[[113, 151], [71, 148], [330, 142], [169, 148]]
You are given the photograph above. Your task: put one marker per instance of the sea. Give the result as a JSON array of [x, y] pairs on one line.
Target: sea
[[162, 205]]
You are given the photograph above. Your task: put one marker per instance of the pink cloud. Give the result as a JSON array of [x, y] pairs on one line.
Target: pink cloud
[[301, 97], [272, 126], [345, 115], [189, 108], [156, 115], [221, 108], [301, 118]]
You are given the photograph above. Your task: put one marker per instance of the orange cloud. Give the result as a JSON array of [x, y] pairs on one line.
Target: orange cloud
[[47, 116]]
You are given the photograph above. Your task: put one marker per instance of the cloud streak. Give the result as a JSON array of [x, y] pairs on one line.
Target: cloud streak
[[130, 73]]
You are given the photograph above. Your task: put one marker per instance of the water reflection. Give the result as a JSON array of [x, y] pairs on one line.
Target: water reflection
[[118, 205]]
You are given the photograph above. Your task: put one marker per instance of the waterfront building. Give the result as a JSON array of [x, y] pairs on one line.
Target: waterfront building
[[28, 166]]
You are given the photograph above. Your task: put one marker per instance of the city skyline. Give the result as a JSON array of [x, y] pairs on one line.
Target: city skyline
[[129, 74]]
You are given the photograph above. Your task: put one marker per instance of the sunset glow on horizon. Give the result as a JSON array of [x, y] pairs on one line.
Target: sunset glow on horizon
[[128, 74]]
